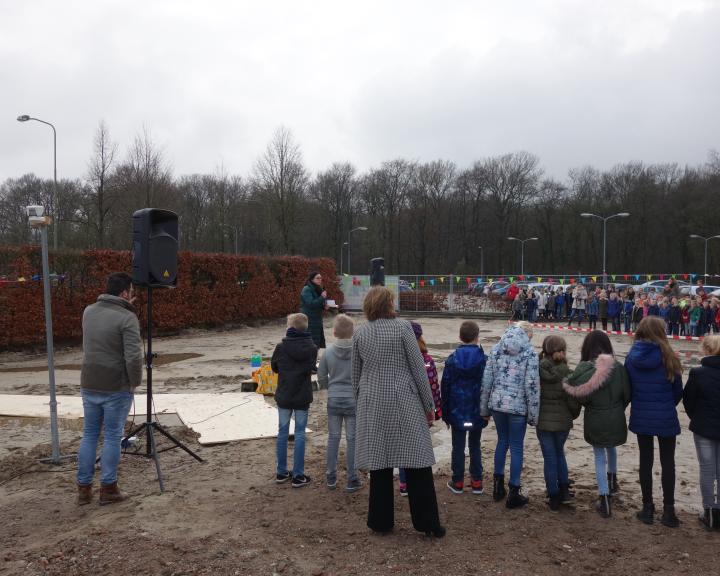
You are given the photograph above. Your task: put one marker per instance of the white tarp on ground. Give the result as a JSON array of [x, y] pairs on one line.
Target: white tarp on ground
[[216, 417]]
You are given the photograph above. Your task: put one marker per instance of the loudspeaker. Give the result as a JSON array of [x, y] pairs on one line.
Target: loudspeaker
[[377, 272], [155, 246]]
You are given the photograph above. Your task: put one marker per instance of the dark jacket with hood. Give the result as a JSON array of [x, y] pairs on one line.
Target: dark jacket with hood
[[293, 360], [602, 387], [557, 408], [654, 397], [701, 398], [461, 385], [312, 305]]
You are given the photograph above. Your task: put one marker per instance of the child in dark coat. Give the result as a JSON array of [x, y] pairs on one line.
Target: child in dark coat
[[293, 360], [460, 392]]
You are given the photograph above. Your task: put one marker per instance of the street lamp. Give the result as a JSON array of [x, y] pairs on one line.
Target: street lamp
[[342, 250], [522, 251], [481, 260], [706, 244], [604, 221], [360, 229], [55, 214]]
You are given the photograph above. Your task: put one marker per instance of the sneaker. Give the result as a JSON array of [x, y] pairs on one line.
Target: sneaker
[[300, 481], [456, 487], [282, 478], [403, 489], [477, 486], [331, 482], [353, 485]]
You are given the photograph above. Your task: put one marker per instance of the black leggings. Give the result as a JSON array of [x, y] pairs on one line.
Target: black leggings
[[667, 463], [421, 494]]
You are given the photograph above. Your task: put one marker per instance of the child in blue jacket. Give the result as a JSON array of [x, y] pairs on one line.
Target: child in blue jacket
[[460, 392]]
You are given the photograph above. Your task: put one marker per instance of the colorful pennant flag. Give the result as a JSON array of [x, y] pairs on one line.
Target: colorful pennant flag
[[594, 278], [412, 284], [432, 282], [422, 283], [442, 280], [613, 277]]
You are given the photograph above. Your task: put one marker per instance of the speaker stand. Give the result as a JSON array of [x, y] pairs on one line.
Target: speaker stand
[[150, 425]]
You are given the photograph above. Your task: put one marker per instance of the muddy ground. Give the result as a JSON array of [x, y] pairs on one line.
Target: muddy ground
[[226, 515]]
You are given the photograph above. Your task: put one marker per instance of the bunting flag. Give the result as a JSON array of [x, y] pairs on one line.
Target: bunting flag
[[490, 280], [501, 279], [422, 283], [572, 280], [613, 277], [583, 279], [662, 276], [468, 280], [432, 282], [479, 280], [512, 279], [442, 280], [693, 276], [522, 277], [539, 279], [649, 277], [457, 279], [637, 276], [673, 276], [552, 281], [625, 277], [685, 276], [594, 278], [412, 284]]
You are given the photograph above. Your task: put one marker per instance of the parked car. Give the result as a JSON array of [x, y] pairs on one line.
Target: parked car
[[692, 290], [476, 289], [656, 285], [715, 293], [404, 286]]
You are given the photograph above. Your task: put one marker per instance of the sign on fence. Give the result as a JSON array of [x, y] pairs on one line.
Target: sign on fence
[[355, 288]]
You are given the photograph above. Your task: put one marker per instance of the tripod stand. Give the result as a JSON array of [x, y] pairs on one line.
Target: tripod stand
[[150, 425]]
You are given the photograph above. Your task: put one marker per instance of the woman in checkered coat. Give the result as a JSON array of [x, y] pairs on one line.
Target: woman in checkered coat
[[394, 411]]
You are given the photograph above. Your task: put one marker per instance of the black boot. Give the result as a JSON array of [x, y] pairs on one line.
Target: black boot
[[498, 487], [604, 505], [613, 483], [646, 515], [707, 518], [669, 518], [554, 502], [515, 499], [566, 497], [716, 518]]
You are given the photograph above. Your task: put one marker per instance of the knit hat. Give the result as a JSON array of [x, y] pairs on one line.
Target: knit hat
[[417, 329]]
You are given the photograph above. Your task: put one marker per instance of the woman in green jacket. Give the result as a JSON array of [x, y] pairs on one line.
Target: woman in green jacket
[[601, 384], [313, 300]]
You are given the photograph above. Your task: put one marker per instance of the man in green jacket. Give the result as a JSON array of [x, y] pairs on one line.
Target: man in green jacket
[[111, 370]]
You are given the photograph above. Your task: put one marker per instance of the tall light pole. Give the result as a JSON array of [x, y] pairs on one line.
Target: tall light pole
[[481, 260], [605, 221], [361, 229], [342, 250], [706, 240], [55, 214], [522, 251]]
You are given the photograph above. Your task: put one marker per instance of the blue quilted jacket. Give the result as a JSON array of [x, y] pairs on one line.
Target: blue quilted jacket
[[654, 397], [460, 387]]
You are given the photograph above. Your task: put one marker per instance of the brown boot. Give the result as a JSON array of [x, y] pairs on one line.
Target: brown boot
[[110, 493], [84, 494]]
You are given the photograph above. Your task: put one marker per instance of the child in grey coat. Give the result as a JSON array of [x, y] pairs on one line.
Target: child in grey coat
[[335, 373]]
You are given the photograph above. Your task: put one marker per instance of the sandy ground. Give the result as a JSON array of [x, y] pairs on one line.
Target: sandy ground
[[226, 515]]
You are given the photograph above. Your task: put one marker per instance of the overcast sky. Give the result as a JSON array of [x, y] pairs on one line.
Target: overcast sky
[[574, 82]]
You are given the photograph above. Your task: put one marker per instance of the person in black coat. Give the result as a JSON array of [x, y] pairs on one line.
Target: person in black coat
[[293, 360], [701, 399]]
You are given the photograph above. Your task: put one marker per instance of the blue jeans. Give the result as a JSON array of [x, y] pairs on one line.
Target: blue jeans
[[301, 417], [108, 410], [628, 319], [340, 409], [576, 313], [605, 463], [457, 458], [511, 434], [552, 445]]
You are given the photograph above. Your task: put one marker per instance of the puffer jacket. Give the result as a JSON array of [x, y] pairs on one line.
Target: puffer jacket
[[654, 398], [460, 387], [511, 382], [614, 307], [557, 408], [293, 360], [602, 387]]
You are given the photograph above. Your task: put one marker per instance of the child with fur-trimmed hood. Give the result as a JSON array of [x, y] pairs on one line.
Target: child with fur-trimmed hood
[[600, 383]]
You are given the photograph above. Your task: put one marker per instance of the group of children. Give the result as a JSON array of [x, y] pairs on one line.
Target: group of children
[[621, 310], [650, 381]]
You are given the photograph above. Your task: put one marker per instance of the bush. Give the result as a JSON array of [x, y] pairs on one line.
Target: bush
[[212, 290], [423, 301]]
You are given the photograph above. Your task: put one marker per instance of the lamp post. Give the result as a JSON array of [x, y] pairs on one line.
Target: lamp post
[[342, 250], [522, 251], [55, 218], [37, 220], [706, 240], [604, 221], [481, 260], [361, 229]]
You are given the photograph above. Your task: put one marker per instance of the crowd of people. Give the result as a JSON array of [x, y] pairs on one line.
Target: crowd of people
[[621, 309], [383, 385]]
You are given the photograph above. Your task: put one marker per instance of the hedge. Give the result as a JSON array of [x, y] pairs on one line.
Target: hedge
[[212, 290]]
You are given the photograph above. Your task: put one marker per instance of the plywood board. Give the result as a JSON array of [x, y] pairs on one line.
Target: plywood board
[[216, 417]]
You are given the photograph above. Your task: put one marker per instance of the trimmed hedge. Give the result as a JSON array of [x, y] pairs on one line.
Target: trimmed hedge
[[212, 290]]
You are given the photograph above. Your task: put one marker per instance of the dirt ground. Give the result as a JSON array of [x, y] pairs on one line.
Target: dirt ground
[[227, 516]]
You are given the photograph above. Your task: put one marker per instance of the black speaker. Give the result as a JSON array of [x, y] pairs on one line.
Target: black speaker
[[155, 246], [377, 272]]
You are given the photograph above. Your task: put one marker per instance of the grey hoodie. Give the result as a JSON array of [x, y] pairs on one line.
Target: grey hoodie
[[335, 370]]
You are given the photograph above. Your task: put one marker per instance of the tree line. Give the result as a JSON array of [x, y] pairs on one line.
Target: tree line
[[422, 217]]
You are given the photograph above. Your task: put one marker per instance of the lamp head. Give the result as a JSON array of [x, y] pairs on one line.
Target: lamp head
[[512, 238], [624, 214], [23, 118], [696, 236], [363, 228], [587, 215], [533, 238]]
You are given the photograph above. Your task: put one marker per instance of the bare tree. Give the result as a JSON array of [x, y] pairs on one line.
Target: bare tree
[[99, 170]]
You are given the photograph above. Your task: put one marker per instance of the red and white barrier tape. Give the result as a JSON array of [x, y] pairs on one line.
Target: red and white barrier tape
[[613, 332]]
